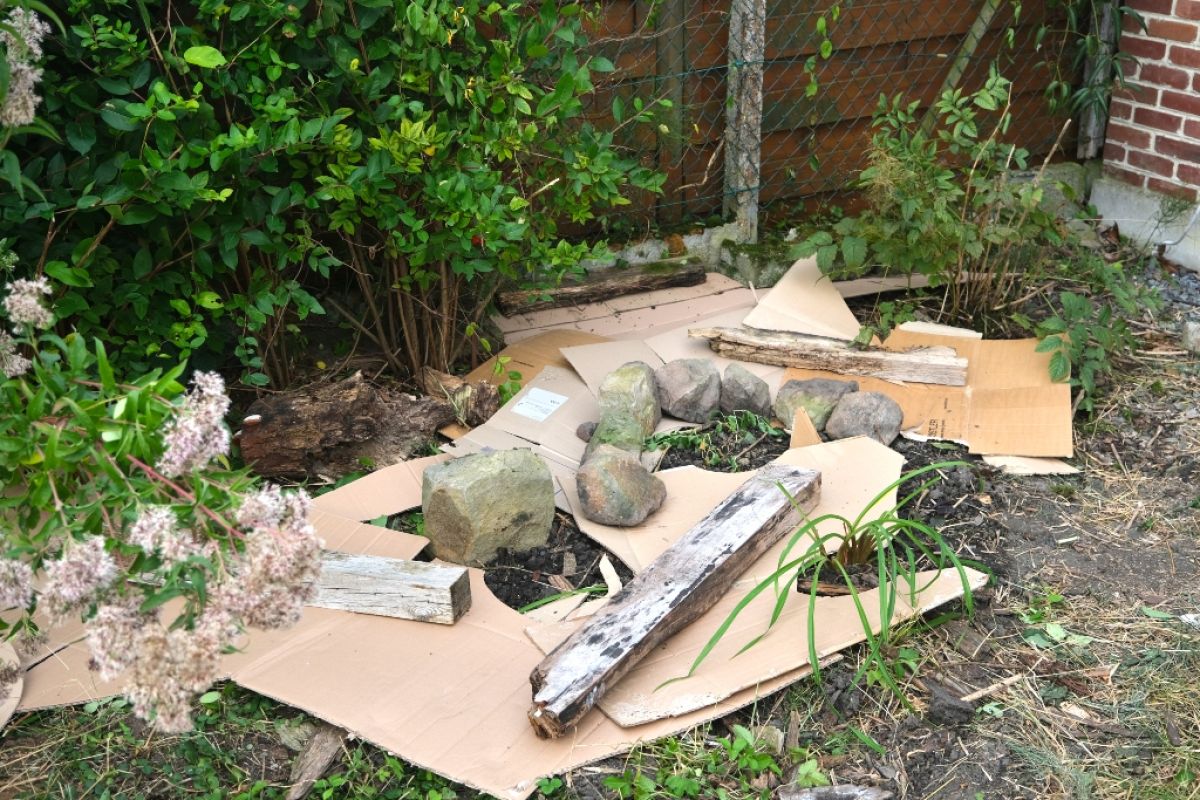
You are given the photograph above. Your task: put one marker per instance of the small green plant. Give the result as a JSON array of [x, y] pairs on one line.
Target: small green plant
[[809, 775], [721, 442], [1084, 334], [900, 548]]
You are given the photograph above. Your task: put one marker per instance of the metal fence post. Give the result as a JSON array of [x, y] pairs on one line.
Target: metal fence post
[[743, 114]]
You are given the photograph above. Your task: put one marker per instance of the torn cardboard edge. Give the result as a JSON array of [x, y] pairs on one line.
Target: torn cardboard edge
[[804, 301]]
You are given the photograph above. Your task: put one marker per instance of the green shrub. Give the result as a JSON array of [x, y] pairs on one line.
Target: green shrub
[[218, 165], [942, 205]]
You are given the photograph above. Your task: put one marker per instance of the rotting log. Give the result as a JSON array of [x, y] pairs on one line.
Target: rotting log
[[393, 587], [474, 403], [676, 589], [337, 428], [604, 284], [940, 365]]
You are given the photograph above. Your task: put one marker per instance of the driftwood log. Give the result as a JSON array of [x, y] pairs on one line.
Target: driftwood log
[[678, 587], [338, 428], [393, 587], [604, 284], [940, 365], [474, 403]]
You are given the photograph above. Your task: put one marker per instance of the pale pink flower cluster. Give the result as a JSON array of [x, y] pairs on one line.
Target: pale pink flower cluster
[[278, 571], [197, 434], [16, 584], [12, 363], [166, 667], [24, 50], [157, 530], [265, 585], [24, 302], [76, 579]]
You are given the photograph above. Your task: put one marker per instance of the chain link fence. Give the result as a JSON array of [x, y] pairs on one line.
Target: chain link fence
[[771, 100]]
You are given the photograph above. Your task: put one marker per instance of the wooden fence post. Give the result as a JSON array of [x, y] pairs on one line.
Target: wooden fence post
[[743, 114], [670, 46]]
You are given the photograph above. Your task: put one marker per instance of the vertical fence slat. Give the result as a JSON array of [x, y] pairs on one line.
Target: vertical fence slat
[[671, 46]]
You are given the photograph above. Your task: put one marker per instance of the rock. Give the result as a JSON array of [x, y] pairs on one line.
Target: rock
[[865, 414], [689, 388], [742, 390], [618, 429], [631, 389], [945, 706], [615, 489], [477, 504], [294, 733], [1191, 335], [585, 430], [843, 792], [817, 396], [768, 738]]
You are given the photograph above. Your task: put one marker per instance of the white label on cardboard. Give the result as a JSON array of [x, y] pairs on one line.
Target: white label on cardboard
[[538, 404]]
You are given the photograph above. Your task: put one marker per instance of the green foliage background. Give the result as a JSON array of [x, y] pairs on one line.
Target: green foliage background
[[216, 167]]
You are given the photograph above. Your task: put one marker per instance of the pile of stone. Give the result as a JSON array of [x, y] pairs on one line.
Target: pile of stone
[[480, 503]]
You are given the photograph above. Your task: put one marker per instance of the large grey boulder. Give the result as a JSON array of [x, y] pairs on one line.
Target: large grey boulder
[[477, 504], [630, 389], [817, 396], [615, 489], [1190, 330], [742, 390], [689, 388], [866, 414]]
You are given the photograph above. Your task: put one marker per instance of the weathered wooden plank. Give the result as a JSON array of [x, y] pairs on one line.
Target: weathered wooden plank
[[940, 365], [605, 284], [392, 587], [677, 588]]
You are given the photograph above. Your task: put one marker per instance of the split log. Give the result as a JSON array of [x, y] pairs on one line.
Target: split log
[[940, 365], [338, 428], [604, 284], [677, 588], [393, 587], [474, 403]]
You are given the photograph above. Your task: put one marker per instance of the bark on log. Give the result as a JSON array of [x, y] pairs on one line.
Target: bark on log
[[338, 428], [938, 365], [605, 284], [676, 589], [474, 403], [393, 587]]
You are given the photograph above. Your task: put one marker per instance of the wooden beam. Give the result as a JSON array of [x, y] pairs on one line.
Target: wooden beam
[[676, 589], [605, 284], [392, 587], [940, 365]]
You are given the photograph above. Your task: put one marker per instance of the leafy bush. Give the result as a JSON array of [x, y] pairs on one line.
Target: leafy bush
[[215, 165], [942, 205]]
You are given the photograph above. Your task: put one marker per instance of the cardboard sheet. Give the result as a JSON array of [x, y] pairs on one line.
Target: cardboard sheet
[[386, 491], [534, 352], [593, 362], [805, 301], [804, 433], [1021, 465], [1008, 407], [635, 316]]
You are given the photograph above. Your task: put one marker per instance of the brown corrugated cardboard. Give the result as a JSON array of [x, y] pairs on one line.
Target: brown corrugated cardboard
[[593, 362], [803, 431], [1008, 407], [804, 301]]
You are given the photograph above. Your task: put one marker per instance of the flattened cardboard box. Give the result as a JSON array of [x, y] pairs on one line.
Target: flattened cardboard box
[[1009, 405], [453, 699]]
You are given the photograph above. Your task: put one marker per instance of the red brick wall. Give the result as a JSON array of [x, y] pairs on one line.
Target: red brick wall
[[1153, 137]]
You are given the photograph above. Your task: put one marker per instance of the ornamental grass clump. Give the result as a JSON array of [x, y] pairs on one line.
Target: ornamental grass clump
[[121, 508]]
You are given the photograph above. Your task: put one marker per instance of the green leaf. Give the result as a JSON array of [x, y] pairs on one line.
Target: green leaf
[[854, 251], [1154, 613], [68, 275], [1060, 367], [81, 137], [203, 55], [208, 698]]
